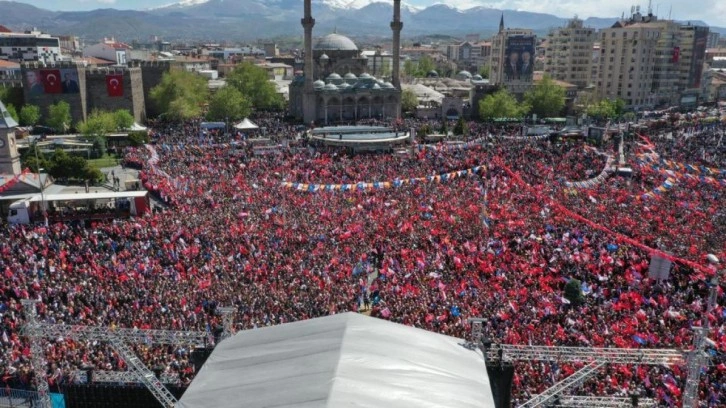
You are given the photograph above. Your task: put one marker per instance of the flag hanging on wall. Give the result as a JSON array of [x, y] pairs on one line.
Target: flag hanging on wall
[[51, 81], [115, 85]]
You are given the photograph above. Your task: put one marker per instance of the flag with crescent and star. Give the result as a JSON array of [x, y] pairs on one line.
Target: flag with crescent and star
[[52, 82], [115, 85]]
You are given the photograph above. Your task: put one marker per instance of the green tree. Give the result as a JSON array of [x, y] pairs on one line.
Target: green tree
[[461, 127], [34, 161], [253, 83], [124, 119], [501, 104], [606, 109], [180, 95], [425, 65], [409, 100], [59, 117], [12, 96], [484, 71], [13, 112], [546, 99], [29, 115], [228, 104], [98, 124], [137, 139], [444, 129], [409, 68], [573, 291]]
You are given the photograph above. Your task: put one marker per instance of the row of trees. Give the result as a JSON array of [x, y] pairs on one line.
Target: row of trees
[[545, 99], [183, 95], [58, 116], [60, 165]]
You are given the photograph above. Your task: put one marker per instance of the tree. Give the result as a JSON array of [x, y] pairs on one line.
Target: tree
[[139, 138], [425, 65], [253, 83], [461, 127], [59, 117], [34, 160], [29, 115], [124, 119], [98, 124], [444, 129], [228, 104], [573, 291], [546, 99], [409, 100], [606, 109], [13, 113], [484, 71], [409, 68], [180, 95], [12, 96], [501, 104]]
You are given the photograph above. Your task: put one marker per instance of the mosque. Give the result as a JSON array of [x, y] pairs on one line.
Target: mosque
[[335, 86]]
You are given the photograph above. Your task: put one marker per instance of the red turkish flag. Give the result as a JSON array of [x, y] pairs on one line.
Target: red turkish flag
[[51, 79], [115, 85]]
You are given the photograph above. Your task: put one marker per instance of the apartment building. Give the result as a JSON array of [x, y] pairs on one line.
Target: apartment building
[[31, 46], [568, 53]]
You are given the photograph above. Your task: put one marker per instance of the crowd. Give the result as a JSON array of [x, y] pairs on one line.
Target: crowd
[[500, 243]]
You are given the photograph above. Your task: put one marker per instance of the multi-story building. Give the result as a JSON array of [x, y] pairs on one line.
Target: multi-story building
[[31, 46], [712, 41], [110, 50], [511, 62], [568, 53], [693, 45]]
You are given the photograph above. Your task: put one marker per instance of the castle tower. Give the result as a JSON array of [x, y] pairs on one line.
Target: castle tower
[[396, 27], [308, 101], [9, 157]]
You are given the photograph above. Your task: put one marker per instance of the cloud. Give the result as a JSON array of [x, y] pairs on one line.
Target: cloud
[[707, 10]]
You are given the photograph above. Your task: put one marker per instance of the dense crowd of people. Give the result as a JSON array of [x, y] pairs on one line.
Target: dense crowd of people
[[501, 242]]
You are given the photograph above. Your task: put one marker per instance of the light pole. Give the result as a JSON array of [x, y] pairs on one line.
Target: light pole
[[42, 187], [697, 358]]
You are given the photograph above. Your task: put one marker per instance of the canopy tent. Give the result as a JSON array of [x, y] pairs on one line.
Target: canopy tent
[[246, 124], [137, 128], [342, 360]]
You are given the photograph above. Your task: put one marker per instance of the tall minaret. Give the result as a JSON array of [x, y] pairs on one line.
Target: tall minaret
[[501, 23], [308, 102], [396, 26]]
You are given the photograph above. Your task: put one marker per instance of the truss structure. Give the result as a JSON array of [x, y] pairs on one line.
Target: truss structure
[[571, 401], [227, 318], [121, 377], [130, 336], [37, 354], [572, 381], [509, 352], [147, 377]]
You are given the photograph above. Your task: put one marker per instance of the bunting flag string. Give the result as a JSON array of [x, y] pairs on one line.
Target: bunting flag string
[[380, 185], [447, 147], [596, 180], [7, 182], [623, 238]]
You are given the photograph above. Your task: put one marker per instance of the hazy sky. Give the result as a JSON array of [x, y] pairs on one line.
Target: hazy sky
[[711, 11]]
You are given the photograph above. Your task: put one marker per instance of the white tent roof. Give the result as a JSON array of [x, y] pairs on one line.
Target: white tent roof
[[137, 128], [246, 124], [343, 360]]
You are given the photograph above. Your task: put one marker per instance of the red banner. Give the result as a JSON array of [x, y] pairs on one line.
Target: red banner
[[51, 79], [676, 54], [115, 85]]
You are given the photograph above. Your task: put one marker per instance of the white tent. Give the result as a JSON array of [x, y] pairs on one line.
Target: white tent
[[246, 124], [137, 128], [343, 360]]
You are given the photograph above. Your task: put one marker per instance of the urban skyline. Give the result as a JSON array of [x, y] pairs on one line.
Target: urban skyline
[[712, 12]]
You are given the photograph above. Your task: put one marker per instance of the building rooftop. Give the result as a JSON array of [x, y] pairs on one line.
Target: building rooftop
[[9, 65], [335, 42]]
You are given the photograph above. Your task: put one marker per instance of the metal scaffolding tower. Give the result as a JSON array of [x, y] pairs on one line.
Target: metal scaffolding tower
[[570, 401], [227, 318], [37, 355], [120, 377], [130, 336], [572, 381]]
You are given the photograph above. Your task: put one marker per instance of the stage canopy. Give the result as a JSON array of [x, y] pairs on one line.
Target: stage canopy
[[246, 124], [342, 360]]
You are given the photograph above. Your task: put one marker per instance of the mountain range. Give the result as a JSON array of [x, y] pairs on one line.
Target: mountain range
[[243, 20]]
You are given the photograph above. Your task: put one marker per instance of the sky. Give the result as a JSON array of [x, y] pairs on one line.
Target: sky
[[712, 12]]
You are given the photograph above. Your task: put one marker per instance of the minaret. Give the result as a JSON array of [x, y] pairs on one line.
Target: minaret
[[501, 23], [396, 26], [308, 102]]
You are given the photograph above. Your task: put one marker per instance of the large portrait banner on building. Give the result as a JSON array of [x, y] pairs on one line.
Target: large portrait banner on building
[[70, 81], [519, 58]]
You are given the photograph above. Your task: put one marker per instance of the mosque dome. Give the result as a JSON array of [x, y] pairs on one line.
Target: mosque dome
[[330, 87], [376, 86], [318, 84], [335, 42], [365, 75], [465, 74], [350, 75], [333, 77], [477, 78], [324, 57]]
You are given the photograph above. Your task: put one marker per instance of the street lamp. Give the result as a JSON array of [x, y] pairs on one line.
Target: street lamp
[[42, 187]]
